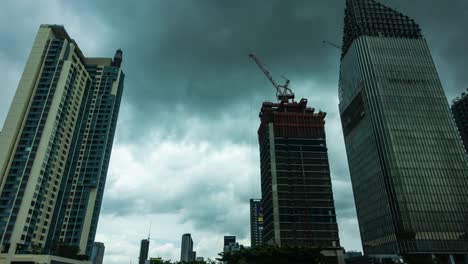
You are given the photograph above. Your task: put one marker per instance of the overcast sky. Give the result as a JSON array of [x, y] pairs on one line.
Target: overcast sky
[[185, 155]]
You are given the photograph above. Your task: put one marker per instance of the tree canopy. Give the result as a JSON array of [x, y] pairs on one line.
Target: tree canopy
[[273, 254]]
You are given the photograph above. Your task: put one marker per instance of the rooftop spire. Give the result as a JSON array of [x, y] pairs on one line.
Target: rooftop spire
[[371, 18]]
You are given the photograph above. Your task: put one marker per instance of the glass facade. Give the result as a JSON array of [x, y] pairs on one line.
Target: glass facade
[[297, 198], [408, 168]]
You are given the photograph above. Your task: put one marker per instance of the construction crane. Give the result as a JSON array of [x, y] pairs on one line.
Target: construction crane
[[283, 92], [331, 44]]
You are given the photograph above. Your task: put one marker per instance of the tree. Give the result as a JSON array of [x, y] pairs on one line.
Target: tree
[[273, 254]]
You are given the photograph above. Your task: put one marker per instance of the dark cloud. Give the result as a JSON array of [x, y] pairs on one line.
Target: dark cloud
[[194, 53], [188, 78]]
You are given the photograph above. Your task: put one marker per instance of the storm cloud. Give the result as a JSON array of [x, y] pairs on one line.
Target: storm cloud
[[185, 154]]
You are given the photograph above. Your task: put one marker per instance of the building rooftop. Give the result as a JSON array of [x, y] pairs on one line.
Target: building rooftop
[[371, 18], [458, 99]]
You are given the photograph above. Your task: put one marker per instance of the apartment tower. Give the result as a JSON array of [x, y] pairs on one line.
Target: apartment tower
[[55, 147], [408, 168]]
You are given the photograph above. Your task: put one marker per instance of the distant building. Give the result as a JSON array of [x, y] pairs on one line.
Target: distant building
[[144, 248], [256, 222], [193, 256], [230, 244], [97, 254], [233, 246], [229, 239], [186, 251], [199, 259], [460, 113]]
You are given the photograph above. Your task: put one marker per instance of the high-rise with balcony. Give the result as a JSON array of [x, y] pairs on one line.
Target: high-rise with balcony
[[55, 147], [408, 166], [460, 113], [297, 198]]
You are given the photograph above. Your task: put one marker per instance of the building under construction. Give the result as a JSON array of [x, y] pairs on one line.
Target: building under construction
[[296, 186], [297, 198]]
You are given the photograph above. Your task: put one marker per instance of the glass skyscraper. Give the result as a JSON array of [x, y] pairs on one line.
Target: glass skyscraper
[[186, 250], [55, 146], [408, 167]]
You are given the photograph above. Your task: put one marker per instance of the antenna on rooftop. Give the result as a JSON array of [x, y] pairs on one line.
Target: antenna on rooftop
[[149, 231]]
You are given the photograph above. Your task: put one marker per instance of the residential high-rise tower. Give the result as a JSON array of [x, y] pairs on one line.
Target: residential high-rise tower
[[408, 167], [256, 222], [55, 146], [297, 198]]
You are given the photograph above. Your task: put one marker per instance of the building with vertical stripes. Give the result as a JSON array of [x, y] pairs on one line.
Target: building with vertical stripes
[[408, 168], [55, 147], [297, 197]]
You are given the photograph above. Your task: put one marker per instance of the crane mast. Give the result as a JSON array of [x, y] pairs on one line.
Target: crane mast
[[283, 92]]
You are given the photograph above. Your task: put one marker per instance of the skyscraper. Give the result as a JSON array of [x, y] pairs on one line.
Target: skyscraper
[[186, 251], [97, 255], [256, 222], [55, 146], [408, 166], [297, 198], [144, 249], [460, 113]]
